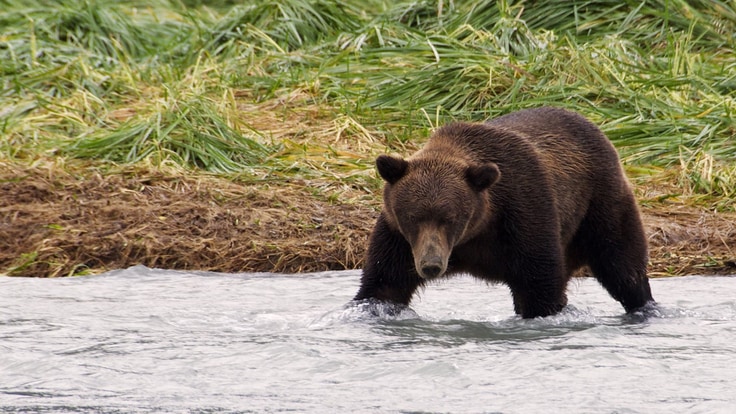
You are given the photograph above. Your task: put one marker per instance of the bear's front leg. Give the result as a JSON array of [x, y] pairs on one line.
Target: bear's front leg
[[538, 286], [388, 274], [528, 306]]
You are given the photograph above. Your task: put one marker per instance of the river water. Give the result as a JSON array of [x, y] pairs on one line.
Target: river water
[[142, 340]]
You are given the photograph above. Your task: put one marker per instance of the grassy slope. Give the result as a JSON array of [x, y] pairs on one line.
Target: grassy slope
[[313, 90]]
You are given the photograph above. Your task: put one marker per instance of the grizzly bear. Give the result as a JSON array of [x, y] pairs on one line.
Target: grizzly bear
[[526, 199]]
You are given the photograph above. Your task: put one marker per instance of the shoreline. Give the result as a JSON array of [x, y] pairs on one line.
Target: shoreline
[[72, 221]]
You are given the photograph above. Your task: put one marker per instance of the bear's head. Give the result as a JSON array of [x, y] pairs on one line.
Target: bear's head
[[436, 203]]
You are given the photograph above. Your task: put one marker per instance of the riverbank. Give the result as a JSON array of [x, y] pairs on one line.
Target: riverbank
[[60, 222], [241, 137]]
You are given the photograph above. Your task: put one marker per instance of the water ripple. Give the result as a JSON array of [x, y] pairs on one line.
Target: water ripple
[[142, 340]]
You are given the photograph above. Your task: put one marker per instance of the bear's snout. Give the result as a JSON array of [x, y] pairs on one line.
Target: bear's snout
[[430, 254]]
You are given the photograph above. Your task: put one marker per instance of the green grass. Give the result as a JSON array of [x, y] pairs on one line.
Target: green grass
[[315, 89]]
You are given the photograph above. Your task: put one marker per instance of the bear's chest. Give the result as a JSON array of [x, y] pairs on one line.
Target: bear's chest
[[480, 258]]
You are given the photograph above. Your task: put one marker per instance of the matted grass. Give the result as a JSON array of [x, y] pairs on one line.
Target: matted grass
[[308, 92], [71, 220]]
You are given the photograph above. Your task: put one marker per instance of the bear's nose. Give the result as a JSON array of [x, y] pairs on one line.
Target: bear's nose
[[431, 270]]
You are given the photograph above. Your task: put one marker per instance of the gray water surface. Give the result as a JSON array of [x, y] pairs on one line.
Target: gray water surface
[[142, 340]]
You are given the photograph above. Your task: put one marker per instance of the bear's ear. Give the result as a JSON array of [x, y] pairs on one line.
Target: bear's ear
[[482, 176], [391, 168]]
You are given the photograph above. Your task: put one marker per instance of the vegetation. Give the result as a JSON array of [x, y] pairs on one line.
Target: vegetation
[[284, 90]]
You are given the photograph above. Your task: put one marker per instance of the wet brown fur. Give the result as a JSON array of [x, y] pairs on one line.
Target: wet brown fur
[[525, 199]]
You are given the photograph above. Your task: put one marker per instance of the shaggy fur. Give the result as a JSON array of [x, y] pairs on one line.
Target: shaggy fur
[[525, 199]]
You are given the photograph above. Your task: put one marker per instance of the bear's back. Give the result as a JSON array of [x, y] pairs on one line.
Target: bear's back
[[560, 134], [579, 161]]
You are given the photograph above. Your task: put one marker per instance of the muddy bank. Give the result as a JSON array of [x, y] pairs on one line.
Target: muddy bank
[[56, 223]]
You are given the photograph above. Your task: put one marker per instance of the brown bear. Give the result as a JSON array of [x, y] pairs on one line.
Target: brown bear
[[525, 199]]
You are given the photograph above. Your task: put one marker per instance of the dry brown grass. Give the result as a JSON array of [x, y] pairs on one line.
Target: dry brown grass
[[685, 240], [62, 221], [55, 223]]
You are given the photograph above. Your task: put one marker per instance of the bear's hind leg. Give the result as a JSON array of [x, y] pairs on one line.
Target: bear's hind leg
[[616, 249]]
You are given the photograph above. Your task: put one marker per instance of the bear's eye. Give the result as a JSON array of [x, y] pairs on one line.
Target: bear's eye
[[445, 220], [411, 217]]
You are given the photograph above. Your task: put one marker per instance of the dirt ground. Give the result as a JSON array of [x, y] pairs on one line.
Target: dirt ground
[[57, 223]]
